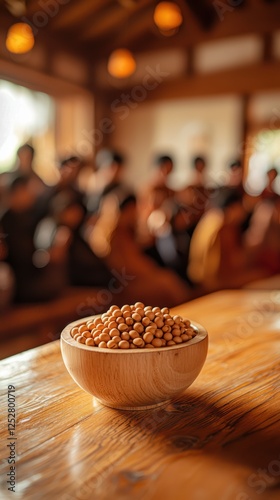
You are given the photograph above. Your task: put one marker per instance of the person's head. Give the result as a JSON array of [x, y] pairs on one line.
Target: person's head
[[199, 164], [234, 209], [21, 195], [236, 173], [235, 165], [69, 169], [164, 164], [25, 156], [109, 164], [67, 210], [271, 175]]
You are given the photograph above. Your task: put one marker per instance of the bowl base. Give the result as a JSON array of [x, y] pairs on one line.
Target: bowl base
[[137, 408]]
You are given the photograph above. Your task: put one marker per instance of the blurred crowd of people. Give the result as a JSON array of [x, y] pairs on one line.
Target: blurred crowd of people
[[170, 245], [213, 237]]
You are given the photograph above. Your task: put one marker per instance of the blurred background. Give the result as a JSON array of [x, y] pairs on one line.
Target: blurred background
[[139, 155]]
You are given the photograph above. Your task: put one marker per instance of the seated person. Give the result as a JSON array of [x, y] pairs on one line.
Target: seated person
[[192, 202], [23, 168], [109, 178], [7, 278], [155, 210], [269, 192], [234, 185], [218, 254], [263, 235], [38, 275], [194, 197], [114, 239]]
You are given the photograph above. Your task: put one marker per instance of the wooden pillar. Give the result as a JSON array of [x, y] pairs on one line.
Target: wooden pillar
[[190, 71], [103, 125], [267, 55], [245, 134]]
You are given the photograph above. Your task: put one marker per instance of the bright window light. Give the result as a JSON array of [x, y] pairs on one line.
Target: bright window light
[[265, 155], [24, 116]]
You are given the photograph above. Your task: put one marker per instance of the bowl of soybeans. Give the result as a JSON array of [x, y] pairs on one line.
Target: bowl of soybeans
[[134, 357]]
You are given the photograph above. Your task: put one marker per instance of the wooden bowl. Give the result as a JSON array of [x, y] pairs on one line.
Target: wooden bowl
[[134, 378]]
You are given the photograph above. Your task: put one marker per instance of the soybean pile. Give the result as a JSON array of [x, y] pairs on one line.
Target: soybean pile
[[134, 327]]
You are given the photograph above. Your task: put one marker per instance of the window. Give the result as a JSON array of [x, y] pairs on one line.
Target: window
[[264, 154], [26, 116]]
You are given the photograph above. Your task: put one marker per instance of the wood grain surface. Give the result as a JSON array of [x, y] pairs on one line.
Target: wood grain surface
[[220, 440]]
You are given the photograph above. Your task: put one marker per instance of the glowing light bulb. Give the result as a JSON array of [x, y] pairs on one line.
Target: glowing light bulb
[[168, 16], [20, 38], [121, 63]]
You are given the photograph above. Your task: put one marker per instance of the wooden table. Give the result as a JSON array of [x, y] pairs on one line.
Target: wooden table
[[220, 440]]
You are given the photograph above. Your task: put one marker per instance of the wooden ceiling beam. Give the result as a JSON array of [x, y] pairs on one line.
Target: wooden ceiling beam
[[259, 19], [36, 6], [238, 81], [104, 23], [88, 29], [77, 11], [204, 12], [44, 81], [52, 44], [153, 39], [243, 80], [112, 21], [139, 24], [236, 23]]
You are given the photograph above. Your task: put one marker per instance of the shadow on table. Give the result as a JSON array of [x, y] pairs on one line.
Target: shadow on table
[[215, 446], [236, 427], [219, 432]]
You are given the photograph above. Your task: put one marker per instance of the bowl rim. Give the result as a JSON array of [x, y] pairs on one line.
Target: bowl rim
[[65, 335]]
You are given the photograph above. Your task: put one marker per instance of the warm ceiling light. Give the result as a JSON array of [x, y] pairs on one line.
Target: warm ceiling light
[[168, 16], [121, 63], [20, 38]]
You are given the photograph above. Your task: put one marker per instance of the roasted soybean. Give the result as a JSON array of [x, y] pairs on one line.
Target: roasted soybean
[[134, 327]]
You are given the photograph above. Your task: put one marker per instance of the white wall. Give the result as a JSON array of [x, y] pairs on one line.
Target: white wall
[[182, 128], [74, 116], [265, 109], [227, 53]]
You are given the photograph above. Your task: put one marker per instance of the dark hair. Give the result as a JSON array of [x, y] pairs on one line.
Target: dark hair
[[198, 159], [65, 199], [274, 170], [20, 180], [127, 201], [106, 157], [69, 159], [117, 158], [162, 159], [26, 146], [231, 199], [235, 164]]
